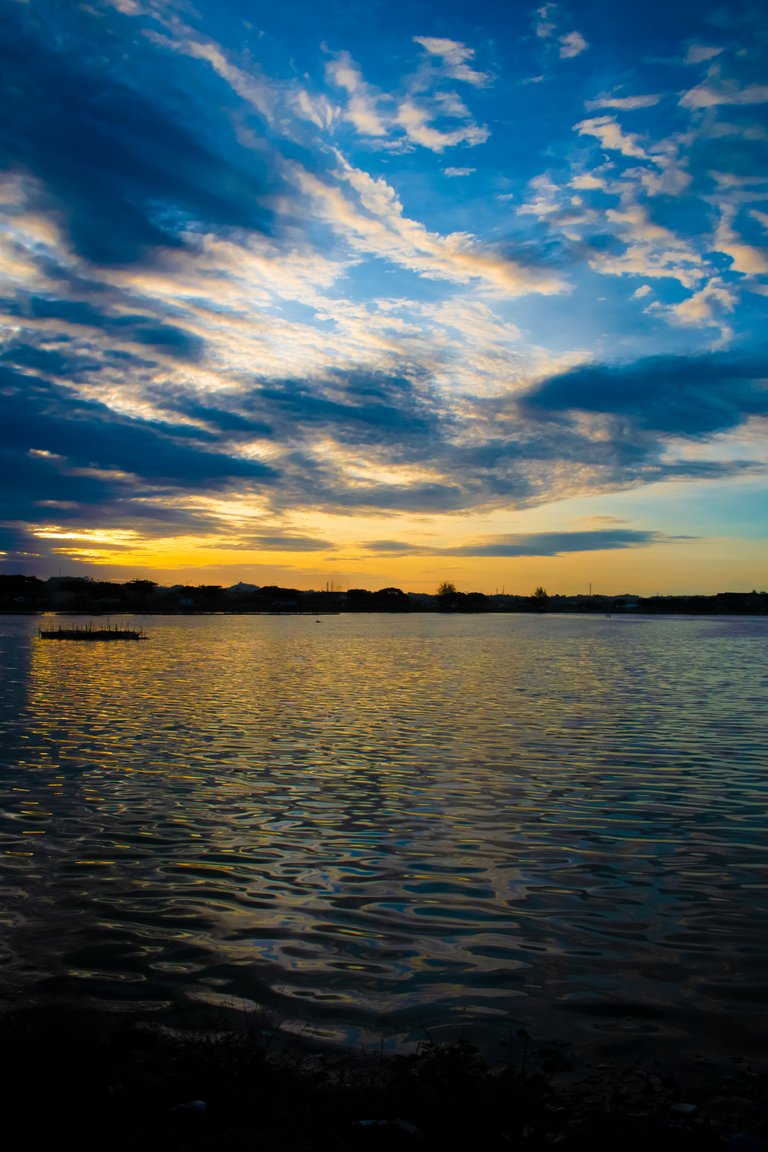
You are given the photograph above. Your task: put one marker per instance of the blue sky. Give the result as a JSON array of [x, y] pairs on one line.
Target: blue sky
[[385, 293]]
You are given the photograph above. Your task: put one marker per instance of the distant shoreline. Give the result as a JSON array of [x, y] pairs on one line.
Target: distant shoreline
[[722, 613], [76, 595]]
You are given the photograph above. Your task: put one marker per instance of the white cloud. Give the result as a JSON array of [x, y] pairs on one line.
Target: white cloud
[[698, 53], [651, 251], [362, 106], [252, 88], [712, 94], [572, 44], [643, 290], [627, 103], [415, 120], [317, 109], [386, 118], [549, 23], [546, 198], [546, 23], [459, 171], [705, 308], [668, 178], [608, 132], [747, 131], [587, 181], [454, 55], [745, 258], [741, 187], [377, 226]]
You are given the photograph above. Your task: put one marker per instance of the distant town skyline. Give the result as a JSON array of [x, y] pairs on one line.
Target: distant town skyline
[[385, 295]]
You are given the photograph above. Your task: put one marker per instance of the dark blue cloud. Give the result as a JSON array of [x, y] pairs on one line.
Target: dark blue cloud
[[693, 396], [128, 173], [390, 546], [556, 543], [356, 408], [36, 414], [134, 328], [534, 543], [359, 407], [289, 543]]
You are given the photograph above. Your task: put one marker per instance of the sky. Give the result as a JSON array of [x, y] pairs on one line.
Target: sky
[[385, 293]]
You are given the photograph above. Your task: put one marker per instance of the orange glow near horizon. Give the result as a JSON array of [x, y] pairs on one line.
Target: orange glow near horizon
[[689, 567]]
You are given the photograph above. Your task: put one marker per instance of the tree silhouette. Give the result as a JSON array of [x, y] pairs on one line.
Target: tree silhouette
[[540, 599]]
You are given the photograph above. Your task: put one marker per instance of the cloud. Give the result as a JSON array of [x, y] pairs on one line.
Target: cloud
[[684, 396], [395, 546], [705, 308], [607, 131], [286, 543], [712, 94], [587, 181], [80, 435], [416, 119], [362, 108], [626, 103], [317, 109], [549, 24], [650, 249], [572, 44], [745, 258], [531, 543], [105, 156], [545, 24], [219, 324], [454, 56], [248, 85], [422, 114], [699, 53], [558, 543], [377, 224]]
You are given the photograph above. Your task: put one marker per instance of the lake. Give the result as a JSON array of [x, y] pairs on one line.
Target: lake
[[383, 828]]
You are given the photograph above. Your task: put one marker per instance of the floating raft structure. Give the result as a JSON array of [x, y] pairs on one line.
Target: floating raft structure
[[89, 632]]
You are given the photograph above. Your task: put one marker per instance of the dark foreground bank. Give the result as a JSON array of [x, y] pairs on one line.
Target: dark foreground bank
[[98, 1081]]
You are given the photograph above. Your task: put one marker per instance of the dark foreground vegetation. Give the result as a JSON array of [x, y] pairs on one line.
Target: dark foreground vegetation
[[110, 1081], [80, 594]]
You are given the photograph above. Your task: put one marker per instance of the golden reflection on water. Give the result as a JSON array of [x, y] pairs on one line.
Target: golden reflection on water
[[392, 821]]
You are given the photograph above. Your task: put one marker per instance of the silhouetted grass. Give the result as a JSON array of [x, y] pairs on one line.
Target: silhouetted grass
[[112, 1082]]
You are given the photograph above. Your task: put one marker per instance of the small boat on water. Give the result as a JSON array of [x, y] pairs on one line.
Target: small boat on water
[[89, 632]]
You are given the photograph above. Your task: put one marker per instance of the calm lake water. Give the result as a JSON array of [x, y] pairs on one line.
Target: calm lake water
[[383, 826]]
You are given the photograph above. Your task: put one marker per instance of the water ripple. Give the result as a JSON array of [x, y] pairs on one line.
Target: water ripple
[[392, 823]]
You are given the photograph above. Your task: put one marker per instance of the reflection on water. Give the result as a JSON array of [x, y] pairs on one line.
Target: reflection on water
[[392, 824]]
